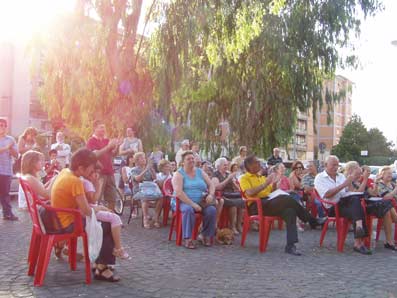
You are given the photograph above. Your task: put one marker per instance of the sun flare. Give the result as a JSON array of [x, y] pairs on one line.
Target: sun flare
[[19, 19]]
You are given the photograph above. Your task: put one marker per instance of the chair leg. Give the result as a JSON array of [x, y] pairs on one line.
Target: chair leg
[[172, 227], [44, 259], [87, 260], [73, 254], [323, 232], [343, 234], [266, 234], [166, 211], [367, 241], [246, 225], [34, 252], [395, 232], [378, 228], [179, 230]]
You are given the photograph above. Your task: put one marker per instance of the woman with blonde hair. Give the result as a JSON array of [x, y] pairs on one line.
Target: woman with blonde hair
[[32, 164], [26, 142]]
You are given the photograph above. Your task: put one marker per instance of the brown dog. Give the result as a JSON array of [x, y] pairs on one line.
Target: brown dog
[[225, 236]]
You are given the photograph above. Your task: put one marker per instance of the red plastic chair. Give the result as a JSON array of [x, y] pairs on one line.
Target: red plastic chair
[[265, 222], [342, 223], [176, 224], [224, 217], [167, 192], [42, 243]]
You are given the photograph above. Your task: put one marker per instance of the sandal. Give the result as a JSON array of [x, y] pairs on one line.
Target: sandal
[[156, 224], [120, 253], [58, 248], [207, 242], [189, 244], [99, 275], [146, 224]]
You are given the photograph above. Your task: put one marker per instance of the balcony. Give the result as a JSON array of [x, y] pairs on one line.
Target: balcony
[[302, 116], [301, 131]]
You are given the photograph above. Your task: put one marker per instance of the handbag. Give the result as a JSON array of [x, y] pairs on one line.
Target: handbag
[[94, 232], [148, 190]]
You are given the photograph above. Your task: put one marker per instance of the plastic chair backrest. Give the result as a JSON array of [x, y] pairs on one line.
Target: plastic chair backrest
[[315, 195], [168, 189], [31, 201]]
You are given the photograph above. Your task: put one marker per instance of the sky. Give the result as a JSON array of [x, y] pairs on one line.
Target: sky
[[375, 81]]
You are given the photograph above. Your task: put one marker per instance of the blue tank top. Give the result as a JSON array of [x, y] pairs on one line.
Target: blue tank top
[[193, 187]]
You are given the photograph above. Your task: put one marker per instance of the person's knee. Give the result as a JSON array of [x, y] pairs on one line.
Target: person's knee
[[289, 214], [210, 211], [188, 210]]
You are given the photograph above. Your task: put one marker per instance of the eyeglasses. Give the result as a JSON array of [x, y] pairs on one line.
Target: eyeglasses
[[3, 125], [299, 168]]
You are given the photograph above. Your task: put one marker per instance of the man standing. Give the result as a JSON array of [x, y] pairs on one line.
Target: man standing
[[63, 150], [283, 205], [275, 158], [8, 149], [104, 149]]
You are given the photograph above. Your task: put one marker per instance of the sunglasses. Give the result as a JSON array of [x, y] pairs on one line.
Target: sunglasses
[[3, 125]]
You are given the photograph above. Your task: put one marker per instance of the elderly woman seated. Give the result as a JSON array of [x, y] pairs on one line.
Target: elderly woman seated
[[195, 191], [144, 171], [226, 182]]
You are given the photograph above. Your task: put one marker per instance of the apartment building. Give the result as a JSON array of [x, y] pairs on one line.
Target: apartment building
[[310, 143]]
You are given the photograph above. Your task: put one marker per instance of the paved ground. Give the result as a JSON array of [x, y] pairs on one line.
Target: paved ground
[[160, 269]]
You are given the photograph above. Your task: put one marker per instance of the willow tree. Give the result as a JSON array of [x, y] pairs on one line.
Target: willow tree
[[91, 65], [254, 62]]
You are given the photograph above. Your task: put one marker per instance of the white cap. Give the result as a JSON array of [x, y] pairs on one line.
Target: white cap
[[185, 142]]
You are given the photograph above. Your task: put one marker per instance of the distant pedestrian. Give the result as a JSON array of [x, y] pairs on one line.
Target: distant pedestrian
[[8, 150]]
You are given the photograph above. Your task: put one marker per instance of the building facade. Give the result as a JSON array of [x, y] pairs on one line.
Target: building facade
[[19, 103], [310, 143]]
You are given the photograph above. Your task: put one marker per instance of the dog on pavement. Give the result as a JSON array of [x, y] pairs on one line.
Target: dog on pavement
[[225, 236]]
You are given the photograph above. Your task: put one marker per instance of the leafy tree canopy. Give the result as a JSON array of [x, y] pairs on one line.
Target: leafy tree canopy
[[254, 63], [357, 138], [91, 67]]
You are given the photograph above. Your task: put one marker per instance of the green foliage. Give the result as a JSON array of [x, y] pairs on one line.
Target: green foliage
[[90, 68], [254, 63], [356, 138]]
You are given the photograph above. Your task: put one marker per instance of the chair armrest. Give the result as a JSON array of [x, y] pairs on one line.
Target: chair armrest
[[78, 218]]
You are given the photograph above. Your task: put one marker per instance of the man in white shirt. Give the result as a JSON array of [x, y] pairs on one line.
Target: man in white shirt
[[331, 186], [63, 150]]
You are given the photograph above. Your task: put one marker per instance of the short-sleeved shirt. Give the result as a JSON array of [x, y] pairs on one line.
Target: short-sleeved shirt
[[136, 171], [5, 157], [131, 144], [249, 180], [64, 191], [274, 160], [384, 189], [308, 180], [105, 159], [323, 182], [228, 187]]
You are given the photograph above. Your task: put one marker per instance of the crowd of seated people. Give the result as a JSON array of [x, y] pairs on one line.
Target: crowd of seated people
[[207, 188]]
